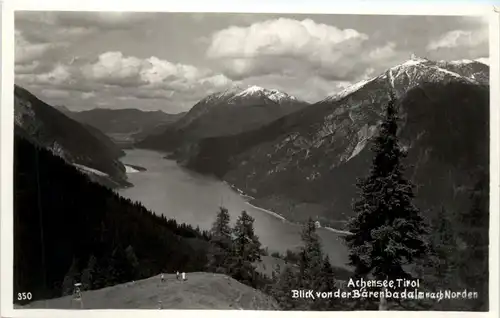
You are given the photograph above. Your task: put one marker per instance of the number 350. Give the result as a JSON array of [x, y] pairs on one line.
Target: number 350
[[24, 296]]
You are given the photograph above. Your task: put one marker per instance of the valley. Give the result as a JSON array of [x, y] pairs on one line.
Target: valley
[[304, 164], [192, 198], [159, 182]]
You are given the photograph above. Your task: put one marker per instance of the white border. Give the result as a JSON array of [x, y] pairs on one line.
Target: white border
[[271, 6]]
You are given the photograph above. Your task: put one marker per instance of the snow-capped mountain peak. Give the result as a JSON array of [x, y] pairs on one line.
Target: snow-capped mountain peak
[[412, 62], [414, 71], [257, 91], [236, 94], [254, 89], [464, 61], [277, 96], [228, 93], [348, 90]]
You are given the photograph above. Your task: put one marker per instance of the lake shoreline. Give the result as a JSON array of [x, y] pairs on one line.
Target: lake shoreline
[[170, 189], [250, 200], [275, 214]]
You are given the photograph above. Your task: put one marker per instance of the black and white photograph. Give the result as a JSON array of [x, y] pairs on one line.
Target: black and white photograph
[[251, 161]]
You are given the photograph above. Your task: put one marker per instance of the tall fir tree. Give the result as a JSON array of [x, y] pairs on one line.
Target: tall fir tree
[[246, 250], [102, 275], [71, 277], [310, 264], [283, 289], [221, 243], [88, 273], [311, 257], [133, 263], [326, 284], [387, 229], [119, 266]]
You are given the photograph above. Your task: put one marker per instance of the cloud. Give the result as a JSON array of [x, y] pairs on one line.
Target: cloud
[[103, 20], [282, 45], [28, 68], [112, 74], [84, 20], [44, 34], [87, 95], [307, 56], [383, 52], [26, 52], [55, 93], [293, 48], [458, 39], [60, 76], [113, 68]]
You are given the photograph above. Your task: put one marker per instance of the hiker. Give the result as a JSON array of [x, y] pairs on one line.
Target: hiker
[[177, 275], [162, 278], [183, 276]]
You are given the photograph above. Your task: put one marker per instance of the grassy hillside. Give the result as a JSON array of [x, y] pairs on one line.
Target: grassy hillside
[[199, 291]]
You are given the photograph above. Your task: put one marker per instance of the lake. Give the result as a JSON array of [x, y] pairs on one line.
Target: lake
[[188, 197]]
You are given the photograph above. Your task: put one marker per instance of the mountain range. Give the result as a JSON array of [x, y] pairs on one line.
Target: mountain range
[[306, 163], [124, 126], [230, 112], [297, 159], [85, 147]]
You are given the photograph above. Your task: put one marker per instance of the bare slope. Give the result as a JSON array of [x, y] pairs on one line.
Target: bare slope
[[199, 291]]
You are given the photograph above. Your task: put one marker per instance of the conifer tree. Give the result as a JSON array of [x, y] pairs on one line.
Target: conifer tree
[[70, 279], [311, 257], [221, 243], [276, 273], [120, 267], [283, 290], [102, 273], [245, 242], [133, 263], [246, 249], [326, 284], [88, 273], [387, 229]]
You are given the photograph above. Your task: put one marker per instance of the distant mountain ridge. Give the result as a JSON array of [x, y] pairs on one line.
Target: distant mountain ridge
[[229, 112], [87, 148], [306, 163], [125, 125], [420, 70]]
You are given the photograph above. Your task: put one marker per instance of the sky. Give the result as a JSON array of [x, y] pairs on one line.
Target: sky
[[169, 61]]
